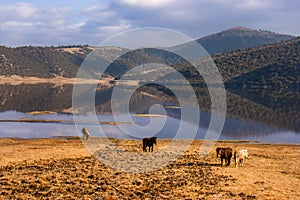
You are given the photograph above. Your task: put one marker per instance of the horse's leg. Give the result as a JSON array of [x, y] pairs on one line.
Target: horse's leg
[[144, 146], [228, 161]]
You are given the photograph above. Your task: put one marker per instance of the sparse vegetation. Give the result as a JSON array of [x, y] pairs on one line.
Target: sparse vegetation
[[262, 83], [63, 168], [239, 38]]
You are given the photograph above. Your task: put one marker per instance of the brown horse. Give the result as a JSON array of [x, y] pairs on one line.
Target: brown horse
[[148, 142], [225, 154]]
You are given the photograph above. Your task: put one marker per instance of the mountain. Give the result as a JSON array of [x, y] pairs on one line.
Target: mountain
[[44, 62], [262, 83], [239, 38], [261, 64], [47, 62]]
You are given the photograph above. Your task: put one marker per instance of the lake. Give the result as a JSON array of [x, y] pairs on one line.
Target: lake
[[65, 127], [247, 118]]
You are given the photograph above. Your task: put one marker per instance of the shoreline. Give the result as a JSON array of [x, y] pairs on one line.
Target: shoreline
[[231, 141], [57, 80]]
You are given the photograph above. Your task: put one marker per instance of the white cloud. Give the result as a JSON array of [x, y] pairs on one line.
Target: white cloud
[[101, 12], [115, 29], [93, 21], [17, 11], [16, 24], [95, 8], [253, 4], [147, 3]]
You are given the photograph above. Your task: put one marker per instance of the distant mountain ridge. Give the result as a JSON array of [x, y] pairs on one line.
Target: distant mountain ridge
[[262, 83], [239, 38], [47, 62]]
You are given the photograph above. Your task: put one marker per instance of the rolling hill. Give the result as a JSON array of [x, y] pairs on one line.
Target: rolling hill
[[262, 82], [239, 38], [46, 62]]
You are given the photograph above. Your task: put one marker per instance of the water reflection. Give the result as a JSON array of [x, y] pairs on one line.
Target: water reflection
[[233, 129], [261, 115]]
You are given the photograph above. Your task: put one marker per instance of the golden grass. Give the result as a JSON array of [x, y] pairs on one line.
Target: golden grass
[[177, 107], [40, 112], [64, 169], [149, 115]]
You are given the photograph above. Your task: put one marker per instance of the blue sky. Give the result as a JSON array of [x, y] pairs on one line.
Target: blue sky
[[66, 22]]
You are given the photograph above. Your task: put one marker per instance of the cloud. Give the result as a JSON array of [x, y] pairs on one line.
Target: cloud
[[53, 23], [257, 4], [197, 18], [17, 11], [147, 3]]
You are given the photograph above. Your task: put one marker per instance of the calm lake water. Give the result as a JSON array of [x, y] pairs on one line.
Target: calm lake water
[[233, 129], [265, 115]]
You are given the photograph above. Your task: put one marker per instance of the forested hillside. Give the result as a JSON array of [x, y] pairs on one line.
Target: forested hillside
[[42, 62], [239, 38]]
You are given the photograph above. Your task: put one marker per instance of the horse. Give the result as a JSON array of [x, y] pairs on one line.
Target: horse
[[148, 142], [239, 156], [86, 134], [225, 154]]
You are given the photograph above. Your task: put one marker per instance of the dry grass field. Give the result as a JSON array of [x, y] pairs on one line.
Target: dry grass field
[[62, 168]]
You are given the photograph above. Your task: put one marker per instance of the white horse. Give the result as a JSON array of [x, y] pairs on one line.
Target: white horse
[[85, 133], [239, 157]]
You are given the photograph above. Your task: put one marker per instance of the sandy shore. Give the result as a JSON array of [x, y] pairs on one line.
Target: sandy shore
[[64, 169], [17, 80]]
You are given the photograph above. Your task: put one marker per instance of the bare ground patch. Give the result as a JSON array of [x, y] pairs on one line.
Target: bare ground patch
[[56, 169]]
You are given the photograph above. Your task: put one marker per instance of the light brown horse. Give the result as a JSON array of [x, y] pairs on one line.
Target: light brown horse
[[86, 134]]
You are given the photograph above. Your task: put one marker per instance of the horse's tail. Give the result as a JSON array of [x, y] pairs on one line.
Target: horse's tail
[[235, 158]]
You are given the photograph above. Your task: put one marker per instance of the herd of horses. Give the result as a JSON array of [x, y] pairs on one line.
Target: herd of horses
[[225, 154]]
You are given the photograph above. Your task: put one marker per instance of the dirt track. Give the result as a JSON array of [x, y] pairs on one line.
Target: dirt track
[[64, 169]]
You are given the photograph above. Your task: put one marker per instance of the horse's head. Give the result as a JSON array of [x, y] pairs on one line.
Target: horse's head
[[154, 140]]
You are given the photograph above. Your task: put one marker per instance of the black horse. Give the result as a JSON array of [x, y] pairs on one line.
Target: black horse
[[225, 154], [148, 142]]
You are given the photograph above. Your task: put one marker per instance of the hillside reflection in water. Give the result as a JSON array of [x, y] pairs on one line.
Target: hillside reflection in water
[[242, 130], [247, 117]]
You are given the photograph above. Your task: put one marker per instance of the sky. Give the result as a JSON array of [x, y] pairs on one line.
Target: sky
[[69, 22]]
